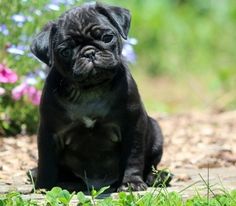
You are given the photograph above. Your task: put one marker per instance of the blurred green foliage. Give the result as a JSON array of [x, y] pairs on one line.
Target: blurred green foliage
[[191, 42], [180, 36]]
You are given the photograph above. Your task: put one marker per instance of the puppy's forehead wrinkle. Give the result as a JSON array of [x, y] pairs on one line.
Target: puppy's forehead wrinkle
[[80, 21], [87, 29]]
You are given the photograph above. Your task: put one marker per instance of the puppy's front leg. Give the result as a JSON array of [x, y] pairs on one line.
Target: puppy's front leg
[[47, 159], [133, 157]]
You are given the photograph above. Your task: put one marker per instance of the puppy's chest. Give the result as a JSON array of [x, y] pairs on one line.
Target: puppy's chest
[[88, 115], [87, 110], [90, 104]]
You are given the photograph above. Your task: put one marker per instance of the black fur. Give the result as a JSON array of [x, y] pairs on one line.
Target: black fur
[[94, 130]]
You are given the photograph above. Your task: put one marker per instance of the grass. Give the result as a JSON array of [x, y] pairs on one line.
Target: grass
[[154, 197], [175, 94], [60, 197]]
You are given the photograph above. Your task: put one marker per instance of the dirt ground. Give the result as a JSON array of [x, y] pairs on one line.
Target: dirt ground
[[192, 141]]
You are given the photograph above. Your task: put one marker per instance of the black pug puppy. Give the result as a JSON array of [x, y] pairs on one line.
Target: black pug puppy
[[94, 130]]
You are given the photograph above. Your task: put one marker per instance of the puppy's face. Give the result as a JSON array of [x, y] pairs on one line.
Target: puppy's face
[[85, 43]]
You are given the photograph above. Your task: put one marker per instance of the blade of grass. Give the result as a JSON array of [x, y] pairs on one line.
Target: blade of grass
[[209, 189], [32, 180], [225, 191], [208, 185], [155, 188], [194, 183]]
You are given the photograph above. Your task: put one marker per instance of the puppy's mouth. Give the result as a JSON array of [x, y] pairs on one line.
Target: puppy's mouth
[[94, 78], [87, 85], [94, 68]]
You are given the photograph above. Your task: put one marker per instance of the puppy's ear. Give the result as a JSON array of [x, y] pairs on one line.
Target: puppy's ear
[[119, 17], [42, 43]]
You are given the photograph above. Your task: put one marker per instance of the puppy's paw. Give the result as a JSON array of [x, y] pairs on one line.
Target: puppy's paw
[[32, 175], [160, 178], [132, 186]]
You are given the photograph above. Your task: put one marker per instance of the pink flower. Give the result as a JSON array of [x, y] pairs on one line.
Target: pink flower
[[34, 95], [35, 98], [19, 91], [2, 91], [7, 75], [31, 92]]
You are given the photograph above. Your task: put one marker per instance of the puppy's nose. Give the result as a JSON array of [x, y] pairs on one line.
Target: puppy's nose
[[90, 54]]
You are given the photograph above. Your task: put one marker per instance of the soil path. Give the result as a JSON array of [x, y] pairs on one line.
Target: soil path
[[193, 143]]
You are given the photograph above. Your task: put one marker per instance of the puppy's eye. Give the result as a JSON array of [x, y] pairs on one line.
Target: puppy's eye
[[107, 38], [66, 52]]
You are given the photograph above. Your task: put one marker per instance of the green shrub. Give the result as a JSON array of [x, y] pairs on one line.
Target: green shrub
[[20, 21], [175, 37]]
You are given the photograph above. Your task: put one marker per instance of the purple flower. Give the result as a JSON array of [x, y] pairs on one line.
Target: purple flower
[[33, 77], [7, 75], [42, 74], [30, 79], [128, 51], [18, 18], [19, 50], [4, 30], [53, 7], [131, 41], [2, 91], [64, 2], [55, 4], [68, 2]]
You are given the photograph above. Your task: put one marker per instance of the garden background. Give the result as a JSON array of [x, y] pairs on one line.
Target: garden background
[[182, 54]]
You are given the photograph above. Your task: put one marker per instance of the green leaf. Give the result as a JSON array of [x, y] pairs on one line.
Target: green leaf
[[63, 200], [122, 195], [93, 193], [2, 203], [102, 190], [82, 198], [56, 190]]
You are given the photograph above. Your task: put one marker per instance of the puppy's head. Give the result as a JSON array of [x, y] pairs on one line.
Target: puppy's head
[[85, 43]]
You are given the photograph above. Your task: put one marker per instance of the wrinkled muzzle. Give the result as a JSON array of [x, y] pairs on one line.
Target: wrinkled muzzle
[[93, 66]]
